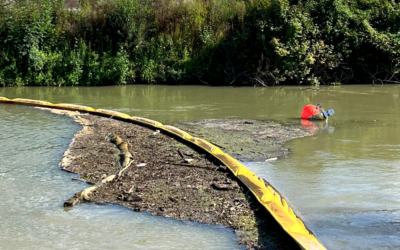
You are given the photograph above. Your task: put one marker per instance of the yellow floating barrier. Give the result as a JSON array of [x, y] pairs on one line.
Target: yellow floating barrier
[[206, 145], [73, 107], [267, 196], [146, 121], [233, 164], [3, 99], [32, 102], [112, 113], [254, 183], [178, 132]]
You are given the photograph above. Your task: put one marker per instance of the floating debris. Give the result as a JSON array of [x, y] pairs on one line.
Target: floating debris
[[189, 160]]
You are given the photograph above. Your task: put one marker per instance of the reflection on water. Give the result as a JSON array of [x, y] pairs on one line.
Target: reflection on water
[[345, 184], [346, 191], [314, 127], [344, 181], [34, 189]]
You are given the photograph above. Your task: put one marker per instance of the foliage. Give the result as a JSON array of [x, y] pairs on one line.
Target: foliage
[[255, 42]]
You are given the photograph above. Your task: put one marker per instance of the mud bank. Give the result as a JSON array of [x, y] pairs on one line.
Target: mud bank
[[247, 140], [169, 178]]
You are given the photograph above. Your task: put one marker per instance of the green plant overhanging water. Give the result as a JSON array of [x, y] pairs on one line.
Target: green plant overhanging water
[[229, 42]]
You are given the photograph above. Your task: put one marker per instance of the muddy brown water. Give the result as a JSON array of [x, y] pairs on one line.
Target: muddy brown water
[[344, 181]]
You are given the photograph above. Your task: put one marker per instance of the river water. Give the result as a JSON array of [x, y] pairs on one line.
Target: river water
[[343, 181]]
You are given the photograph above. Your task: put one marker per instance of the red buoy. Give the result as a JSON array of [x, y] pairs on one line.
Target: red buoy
[[309, 111]]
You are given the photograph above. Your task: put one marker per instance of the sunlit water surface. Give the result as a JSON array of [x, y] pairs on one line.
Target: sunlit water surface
[[344, 181]]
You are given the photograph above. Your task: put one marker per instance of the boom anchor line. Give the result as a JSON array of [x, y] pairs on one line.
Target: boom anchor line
[[266, 195]]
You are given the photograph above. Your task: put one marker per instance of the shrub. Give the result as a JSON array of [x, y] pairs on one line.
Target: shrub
[[256, 42]]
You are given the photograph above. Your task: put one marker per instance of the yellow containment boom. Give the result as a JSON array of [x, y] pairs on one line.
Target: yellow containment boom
[[266, 195]]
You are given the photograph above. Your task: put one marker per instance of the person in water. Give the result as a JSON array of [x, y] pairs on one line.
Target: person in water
[[315, 112]]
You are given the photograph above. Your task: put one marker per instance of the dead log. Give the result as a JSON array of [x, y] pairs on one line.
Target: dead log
[[125, 155], [125, 161], [84, 195]]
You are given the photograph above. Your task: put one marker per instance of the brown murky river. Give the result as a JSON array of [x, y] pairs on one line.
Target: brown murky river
[[344, 181]]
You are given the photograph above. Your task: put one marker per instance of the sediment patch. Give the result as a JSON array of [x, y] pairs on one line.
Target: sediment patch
[[247, 140], [166, 177]]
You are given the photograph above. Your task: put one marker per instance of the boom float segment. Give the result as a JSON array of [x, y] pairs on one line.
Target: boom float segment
[[146, 122], [74, 107], [32, 102], [176, 131], [266, 195], [111, 113]]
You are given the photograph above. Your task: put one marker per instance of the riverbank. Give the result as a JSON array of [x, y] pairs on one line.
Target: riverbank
[[171, 179], [230, 42]]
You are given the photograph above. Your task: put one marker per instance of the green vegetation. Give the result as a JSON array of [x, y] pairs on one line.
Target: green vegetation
[[229, 42]]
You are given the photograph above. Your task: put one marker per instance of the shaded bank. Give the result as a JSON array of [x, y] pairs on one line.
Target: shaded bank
[[224, 42], [169, 178]]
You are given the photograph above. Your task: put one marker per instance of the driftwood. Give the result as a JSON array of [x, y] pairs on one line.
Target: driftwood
[[125, 155], [226, 186], [84, 195], [125, 161]]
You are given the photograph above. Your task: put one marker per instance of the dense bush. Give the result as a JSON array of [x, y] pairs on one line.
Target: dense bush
[[256, 42]]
